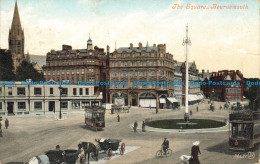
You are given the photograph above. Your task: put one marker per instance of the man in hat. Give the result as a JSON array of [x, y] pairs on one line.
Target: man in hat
[[118, 118], [195, 150], [165, 145], [135, 126]]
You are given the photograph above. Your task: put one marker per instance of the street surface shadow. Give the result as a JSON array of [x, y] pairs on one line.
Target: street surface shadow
[[221, 148], [89, 128], [15, 163]]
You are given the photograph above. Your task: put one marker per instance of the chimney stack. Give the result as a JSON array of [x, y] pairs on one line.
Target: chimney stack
[[154, 45], [66, 47], [108, 49], [140, 45], [131, 45]]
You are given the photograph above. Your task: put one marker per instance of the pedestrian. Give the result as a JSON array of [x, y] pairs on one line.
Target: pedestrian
[[135, 126], [197, 108], [1, 133], [190, 112], [156, 110], [6, 123], [220, 107], [118, 118], [195, 150], [143, 126], [0, 125]]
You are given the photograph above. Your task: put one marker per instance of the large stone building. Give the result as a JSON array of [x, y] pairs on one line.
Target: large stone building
[[195, 94], [75, 65], [16, 40], [25, 98], [141, 64], [227, 85]]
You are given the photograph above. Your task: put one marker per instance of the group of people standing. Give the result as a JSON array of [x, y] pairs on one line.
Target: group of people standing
[[136, 125], [6, 126]]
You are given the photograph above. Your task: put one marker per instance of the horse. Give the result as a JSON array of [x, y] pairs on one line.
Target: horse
[[88, 148]]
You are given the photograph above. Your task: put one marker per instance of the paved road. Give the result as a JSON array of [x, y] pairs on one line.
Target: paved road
[[31, 136]]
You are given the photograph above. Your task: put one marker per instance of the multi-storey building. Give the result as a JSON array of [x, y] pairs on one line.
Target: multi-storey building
[[141, 64], [24, 98], [227, 85], [77, 65], [195, 94], [178, 87]]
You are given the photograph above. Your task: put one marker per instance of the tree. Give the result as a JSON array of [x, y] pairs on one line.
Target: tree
[[27, 71], [6, 66]]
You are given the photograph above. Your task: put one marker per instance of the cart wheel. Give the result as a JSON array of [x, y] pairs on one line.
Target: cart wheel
[[109, 153], [122, 149]]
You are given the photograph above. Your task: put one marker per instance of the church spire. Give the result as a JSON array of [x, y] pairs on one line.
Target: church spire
[[16, 18]]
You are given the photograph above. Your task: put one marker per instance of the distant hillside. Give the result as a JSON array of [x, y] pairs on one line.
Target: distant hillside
[[40, 60]]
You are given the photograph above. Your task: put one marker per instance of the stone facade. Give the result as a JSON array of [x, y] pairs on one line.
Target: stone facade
[[40, 99], [74, 65], [141, 64]]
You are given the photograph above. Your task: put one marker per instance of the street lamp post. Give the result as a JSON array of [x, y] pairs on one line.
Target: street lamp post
[[186, 43], [60, 88]]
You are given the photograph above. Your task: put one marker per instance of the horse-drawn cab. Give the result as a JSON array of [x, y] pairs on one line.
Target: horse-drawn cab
[[95, 117]]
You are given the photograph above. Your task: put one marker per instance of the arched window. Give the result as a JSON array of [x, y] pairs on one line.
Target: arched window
[[142, 73], [114, 74], [124, 74], [161, 73], [152, 73], [133, 73]]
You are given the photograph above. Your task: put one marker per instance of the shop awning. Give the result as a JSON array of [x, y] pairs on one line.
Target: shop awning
[[172, 99], [162, 100]]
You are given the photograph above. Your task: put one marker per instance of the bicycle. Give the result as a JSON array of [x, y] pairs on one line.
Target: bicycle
[[161, 153]]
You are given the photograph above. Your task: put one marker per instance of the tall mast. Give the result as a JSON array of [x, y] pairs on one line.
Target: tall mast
[[186, 43]]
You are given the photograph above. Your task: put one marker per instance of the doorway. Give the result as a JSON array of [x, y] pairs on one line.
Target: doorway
[[52, 106], [10, 107]]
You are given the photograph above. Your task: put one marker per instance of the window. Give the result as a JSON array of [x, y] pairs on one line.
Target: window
[[122, 64], [86, 91], [0, 92], [44, 72], [64, 91], [20, 91], [161, 73], [85, 103], [91, 70], [124, 74], [141, 63], [113, 64], [144, 64], [151, 63], [152, 54], [0, 105], [152, 73], [53, 72], [82, 71], [142, 73], [126, 63], [68, 71], [64, 105], [74, 91], [154, 63], [49, 72], [114, 74], [133, 73], [63, 72], [10, 92], [51, 91], [21, 105], [38, 105], [80, 91], [75, 104], [58, 72], [77, 71], [72, 72], [116, 64], [37, 91]]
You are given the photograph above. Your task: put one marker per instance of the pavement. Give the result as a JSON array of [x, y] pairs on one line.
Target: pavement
[[31, 136]]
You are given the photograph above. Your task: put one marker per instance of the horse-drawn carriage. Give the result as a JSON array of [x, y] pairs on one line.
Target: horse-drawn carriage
[[110, 145], [95, 117]]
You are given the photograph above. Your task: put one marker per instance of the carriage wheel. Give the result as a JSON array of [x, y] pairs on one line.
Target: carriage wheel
[[122, 148], [109, 153]]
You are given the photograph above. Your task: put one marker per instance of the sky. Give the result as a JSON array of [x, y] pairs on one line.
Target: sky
[[221, 38]]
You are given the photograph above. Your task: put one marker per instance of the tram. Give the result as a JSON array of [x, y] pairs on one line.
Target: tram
[[95, 117], [244, 130]]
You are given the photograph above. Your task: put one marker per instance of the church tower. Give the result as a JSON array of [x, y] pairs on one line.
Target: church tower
[[16, 39]]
